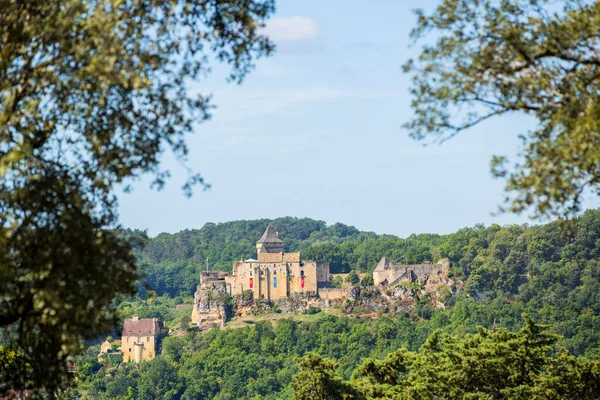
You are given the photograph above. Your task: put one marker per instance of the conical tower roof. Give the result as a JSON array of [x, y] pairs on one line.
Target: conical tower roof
[[270, 236]]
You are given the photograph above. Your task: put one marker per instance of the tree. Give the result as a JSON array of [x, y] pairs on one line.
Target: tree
[[367, 280], [535, 57], [490, 364], [92, 93], [352, 278], [317, 379]]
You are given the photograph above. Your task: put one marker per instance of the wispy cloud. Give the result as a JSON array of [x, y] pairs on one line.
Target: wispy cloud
[[291, 29], [241, 104], [249, 141]]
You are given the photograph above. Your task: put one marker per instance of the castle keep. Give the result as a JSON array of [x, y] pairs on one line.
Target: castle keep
[[275, 274]]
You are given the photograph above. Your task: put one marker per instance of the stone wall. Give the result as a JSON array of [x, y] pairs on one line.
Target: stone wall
[[390, 273], [333, 293]]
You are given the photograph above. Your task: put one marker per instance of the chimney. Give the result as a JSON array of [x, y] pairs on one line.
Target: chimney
[[134, 318]]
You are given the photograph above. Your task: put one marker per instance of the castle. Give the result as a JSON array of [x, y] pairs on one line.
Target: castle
[[295, 285], [275, 274]]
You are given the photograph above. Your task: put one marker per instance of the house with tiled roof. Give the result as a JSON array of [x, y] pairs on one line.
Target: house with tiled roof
[[140, 337]]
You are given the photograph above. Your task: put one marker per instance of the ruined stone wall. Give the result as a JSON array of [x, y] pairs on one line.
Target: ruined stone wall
[[333, 293], [394, 273], [322, 272]]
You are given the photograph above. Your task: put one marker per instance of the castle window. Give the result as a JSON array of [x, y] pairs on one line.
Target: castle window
[[274, 272], [250, 272], [302, 274]]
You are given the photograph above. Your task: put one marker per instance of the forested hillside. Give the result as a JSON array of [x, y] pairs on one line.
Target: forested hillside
[[551, 272], [174, 260]]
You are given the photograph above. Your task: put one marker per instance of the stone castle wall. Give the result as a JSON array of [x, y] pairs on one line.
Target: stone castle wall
[[333, 293]]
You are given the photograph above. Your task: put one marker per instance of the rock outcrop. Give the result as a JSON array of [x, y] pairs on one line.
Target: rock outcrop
[[211, 302]]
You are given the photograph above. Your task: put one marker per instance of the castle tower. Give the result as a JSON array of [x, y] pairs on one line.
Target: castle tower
[[269, 242]]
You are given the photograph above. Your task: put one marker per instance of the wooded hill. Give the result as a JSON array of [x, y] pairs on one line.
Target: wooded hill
[[550, 271]]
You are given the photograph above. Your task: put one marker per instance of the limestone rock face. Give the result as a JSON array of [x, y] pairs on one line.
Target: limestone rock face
[[210, 305], [299, 303]]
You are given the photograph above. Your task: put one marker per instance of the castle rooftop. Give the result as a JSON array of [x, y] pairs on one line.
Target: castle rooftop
[[270, 236]]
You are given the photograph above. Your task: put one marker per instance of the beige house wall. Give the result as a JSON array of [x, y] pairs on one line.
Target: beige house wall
[[147, 344], [105, 347]]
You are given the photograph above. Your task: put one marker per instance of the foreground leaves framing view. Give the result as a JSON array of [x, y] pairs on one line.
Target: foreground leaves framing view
[[540, 58], [92, 93]]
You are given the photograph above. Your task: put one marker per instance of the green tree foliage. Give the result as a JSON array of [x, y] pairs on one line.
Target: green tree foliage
[[13, 369], [257, 360], [490, 364], [175, 260], [549, 272], [352, 278], [318, 379], [91, 95], [367, 280], [535, 57]]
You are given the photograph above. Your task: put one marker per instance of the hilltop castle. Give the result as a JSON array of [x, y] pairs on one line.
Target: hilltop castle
[[272, 276], [275, 274], [295, 285]]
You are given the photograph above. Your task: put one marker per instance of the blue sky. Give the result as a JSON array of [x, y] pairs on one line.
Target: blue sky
[[315, 131]]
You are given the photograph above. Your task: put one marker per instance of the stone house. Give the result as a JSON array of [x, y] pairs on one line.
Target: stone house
[[140, 337], [106, 346]]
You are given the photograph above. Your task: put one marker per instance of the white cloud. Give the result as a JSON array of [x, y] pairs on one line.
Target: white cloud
[[241, 103], [291, 29]]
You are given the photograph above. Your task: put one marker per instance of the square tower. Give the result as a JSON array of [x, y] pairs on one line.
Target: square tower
[[269, 242]]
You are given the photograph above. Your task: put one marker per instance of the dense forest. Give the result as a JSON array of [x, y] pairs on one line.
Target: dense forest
[[550, 272]]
